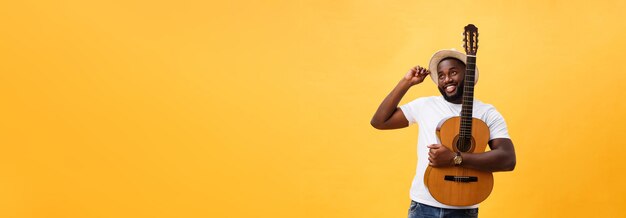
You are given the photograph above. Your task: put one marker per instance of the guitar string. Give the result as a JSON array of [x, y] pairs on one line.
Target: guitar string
[[467, 109]]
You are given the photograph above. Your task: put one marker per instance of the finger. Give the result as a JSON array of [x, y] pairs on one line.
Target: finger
[[427, 72], [422, 71]]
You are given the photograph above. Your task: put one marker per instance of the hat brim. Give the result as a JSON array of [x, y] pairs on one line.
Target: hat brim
[[443, 54]]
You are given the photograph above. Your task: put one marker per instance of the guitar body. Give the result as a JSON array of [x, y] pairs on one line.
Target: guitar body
[[458, 186]]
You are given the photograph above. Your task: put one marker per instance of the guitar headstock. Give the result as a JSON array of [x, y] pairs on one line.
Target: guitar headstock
[[470, 39]]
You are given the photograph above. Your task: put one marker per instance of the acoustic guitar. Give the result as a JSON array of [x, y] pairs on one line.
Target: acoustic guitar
[[459, 186]]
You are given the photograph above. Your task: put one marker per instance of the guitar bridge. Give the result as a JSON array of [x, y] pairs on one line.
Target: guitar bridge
[[461, 178]]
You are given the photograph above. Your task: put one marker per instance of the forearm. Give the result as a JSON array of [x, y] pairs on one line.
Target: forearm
[[390, 103], [491, 161]]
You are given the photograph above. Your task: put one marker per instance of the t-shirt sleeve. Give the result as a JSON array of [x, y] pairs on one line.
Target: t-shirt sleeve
[[411, 110], [497, 125]]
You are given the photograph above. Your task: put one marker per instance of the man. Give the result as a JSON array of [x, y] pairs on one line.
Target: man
[[448, 72]]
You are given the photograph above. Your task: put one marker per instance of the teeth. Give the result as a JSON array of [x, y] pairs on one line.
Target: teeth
[[450, 88]]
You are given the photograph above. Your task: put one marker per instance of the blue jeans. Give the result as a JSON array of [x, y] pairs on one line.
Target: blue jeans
[[418, 210]]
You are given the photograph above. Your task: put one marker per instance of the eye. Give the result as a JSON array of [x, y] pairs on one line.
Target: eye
[[453, 73]]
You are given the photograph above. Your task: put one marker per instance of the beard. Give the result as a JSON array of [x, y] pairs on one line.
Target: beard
[[456, 97]]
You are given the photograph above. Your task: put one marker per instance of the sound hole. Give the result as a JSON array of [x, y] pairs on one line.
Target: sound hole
[[464, 144]]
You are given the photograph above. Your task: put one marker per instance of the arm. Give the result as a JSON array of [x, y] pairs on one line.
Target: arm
[[388, 115], [500, 158]]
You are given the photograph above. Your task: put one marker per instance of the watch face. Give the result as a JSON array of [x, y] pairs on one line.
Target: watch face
[[457, 160]]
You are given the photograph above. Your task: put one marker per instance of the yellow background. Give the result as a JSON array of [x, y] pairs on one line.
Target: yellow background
[[261, 109]]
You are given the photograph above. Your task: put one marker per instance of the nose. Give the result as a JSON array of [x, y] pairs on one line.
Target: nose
[[447, 78]]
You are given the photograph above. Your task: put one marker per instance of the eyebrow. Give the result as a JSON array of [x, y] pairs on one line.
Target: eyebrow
[[448, 69]]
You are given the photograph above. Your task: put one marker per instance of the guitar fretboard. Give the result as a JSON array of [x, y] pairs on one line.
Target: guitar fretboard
[[468, 99]]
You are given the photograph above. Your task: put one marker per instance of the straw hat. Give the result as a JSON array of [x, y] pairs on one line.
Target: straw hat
[[446, 53]]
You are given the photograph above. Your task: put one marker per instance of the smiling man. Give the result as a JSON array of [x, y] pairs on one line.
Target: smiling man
[[447, 70]]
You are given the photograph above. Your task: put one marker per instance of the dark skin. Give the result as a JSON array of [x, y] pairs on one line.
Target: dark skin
[[451, 74]]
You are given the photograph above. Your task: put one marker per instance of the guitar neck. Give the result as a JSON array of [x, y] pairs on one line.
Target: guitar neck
[[468, 97]]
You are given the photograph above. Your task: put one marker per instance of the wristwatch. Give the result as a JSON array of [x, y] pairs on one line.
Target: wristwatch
[[458, 159]]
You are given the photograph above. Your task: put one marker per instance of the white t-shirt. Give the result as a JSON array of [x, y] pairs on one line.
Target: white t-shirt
[[427, 112]]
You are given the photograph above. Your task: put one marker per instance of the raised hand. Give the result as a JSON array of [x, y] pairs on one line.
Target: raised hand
[[416, 75]]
